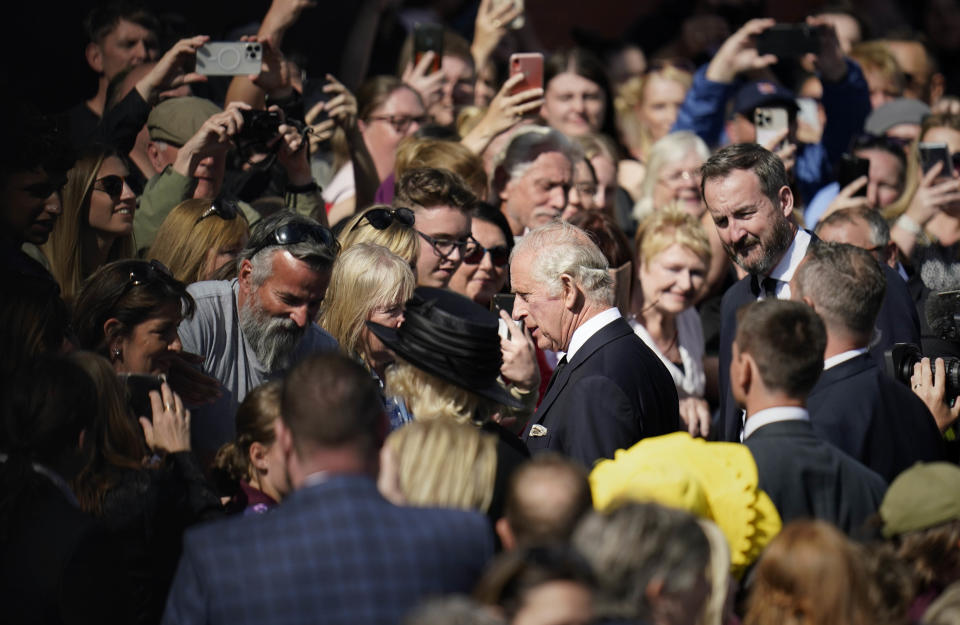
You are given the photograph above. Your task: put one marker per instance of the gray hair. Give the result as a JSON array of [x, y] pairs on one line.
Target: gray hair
[[260, 247], [669, 149], [879, 228], [846, 285], [561, 248], [524, 148], [635, 545]]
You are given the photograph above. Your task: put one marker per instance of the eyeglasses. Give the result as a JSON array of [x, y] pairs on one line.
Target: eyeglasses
[[499, 254], [470, 250], [679, 177], [112, 185], [224, 209], [382, 218], [299, 232], [144, 273], [400, 123]]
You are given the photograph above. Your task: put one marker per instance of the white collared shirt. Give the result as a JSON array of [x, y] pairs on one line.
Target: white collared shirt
[[783, 272], [590, 327], [773, 415], [843, 357]]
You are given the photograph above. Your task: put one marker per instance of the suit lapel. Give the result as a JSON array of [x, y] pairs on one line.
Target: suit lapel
[[610, 332]]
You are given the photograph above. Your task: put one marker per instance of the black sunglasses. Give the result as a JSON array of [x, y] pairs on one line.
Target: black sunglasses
[[144, 273], [382, 218], [499, 255], [470, 250], [299, 232], [112, 185], [224, 209]]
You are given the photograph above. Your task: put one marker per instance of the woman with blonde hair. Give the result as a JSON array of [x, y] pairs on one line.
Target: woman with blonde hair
[[416, 152], [386, 226], [439, 463], [369, 283], [199, 238], [96, 226], [673, 254], [810, 574]]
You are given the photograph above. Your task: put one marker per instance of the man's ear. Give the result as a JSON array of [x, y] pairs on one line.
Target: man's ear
[[94, 54], [786, 200], [154, 156], [571, 294], [809, 302], [507, 539], [245, 276]]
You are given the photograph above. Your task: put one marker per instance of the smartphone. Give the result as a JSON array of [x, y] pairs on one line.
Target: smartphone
[[530, 64], [932, 153], [138, 387], [808, 113], [517, 22], [504, 302], [229, 58], [850, 168], [313, 94], [770, 122], [789, 40], [428, 38]]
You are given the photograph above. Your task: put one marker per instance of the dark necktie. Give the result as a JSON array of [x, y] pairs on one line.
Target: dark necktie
[[556, 372], [766, 287]]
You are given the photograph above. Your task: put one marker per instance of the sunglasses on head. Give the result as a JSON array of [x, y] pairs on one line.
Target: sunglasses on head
[[144, 273], [299, 232], [112, 185], [382, 218], [499, 254], [224, 209]]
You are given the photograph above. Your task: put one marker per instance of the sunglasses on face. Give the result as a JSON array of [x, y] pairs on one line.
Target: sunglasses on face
[[382, 218], [112, 185], [291, 234], [400, 123], [499, 255], [470, 250], [224, 209]]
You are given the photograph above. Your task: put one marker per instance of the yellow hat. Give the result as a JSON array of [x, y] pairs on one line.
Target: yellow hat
[[716, 481]]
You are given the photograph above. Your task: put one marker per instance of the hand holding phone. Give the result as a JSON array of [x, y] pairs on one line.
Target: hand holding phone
[[229, 58], [530, 64], [789, 40], [428, 38], [850, 168], [933, 153], [770, 122]]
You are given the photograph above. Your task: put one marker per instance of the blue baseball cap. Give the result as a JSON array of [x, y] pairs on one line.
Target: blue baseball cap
[[762, 93]]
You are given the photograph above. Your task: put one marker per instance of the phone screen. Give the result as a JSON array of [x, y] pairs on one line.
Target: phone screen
[[851, 168], [428, 38]]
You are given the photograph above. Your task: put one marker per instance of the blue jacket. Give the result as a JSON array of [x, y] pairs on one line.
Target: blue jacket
[[335, 552], [847, 104]]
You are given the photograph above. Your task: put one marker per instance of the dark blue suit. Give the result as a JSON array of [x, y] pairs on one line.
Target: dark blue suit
[[613, 392], [897, 321], [871, 417], [332, 553], [808, 478]]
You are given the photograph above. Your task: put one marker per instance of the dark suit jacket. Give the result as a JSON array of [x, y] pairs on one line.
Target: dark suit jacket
[[897, 321], [613, 392], [336, 552], [873, 418], [807, 477]]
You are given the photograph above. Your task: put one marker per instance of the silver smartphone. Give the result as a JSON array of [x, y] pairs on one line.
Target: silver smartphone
[[229, 58]]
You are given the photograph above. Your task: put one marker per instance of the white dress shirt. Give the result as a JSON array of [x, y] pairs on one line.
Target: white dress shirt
[[842, 357], [773, 415], [783, 272], [590, 327]]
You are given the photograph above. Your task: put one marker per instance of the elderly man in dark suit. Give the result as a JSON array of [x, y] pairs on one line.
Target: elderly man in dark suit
[[777, 358], [747, 192], [335, 551], [609, 389], [855, 405]]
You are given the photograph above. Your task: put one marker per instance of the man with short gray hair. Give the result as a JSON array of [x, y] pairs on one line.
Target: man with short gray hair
[[532, 180], [609, 389], [254, 327]]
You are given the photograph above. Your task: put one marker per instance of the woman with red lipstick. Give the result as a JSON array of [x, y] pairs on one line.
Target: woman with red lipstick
[[96, 226], [673, 255]]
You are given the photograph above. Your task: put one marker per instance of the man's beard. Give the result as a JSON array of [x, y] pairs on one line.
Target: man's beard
[[773, 248], [273, 339]]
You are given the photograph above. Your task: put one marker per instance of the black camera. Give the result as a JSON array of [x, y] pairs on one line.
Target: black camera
[[900, 359], [259, 127]]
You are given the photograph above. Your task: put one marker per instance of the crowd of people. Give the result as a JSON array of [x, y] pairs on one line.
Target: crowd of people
[[452, 345]]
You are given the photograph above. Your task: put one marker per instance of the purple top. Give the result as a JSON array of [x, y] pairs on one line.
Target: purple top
[[258, 501], [385, 191]]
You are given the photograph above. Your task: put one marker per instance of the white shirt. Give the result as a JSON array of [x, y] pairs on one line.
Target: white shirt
[[691, 379], [842, 357], [590, 327], [783, 272], [773, 415]]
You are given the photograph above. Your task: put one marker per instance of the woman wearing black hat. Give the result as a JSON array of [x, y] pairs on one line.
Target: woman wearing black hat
[[448, 367]]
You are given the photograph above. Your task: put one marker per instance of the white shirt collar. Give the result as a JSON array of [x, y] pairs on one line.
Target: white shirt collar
[[842, 357], [785, 269], [773, 415], [590, 327]]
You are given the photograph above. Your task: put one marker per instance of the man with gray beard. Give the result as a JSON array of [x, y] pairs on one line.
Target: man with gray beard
[[253, 328]]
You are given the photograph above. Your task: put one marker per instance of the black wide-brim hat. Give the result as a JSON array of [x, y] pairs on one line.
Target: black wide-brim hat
[[453, 338]]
